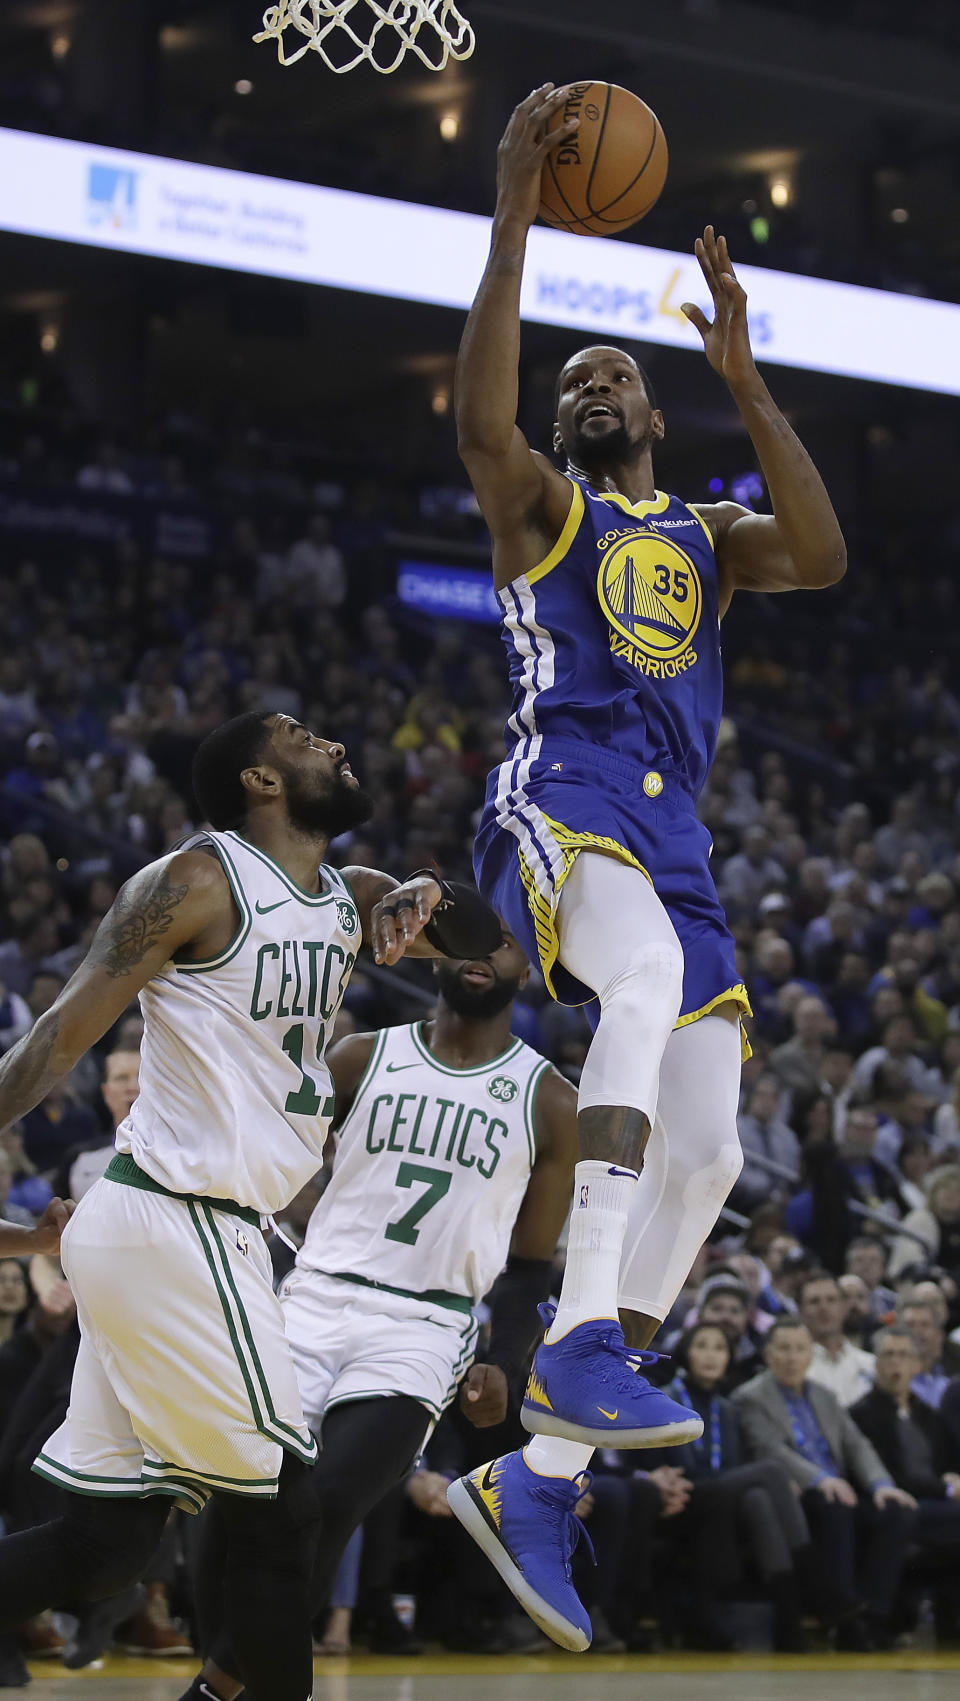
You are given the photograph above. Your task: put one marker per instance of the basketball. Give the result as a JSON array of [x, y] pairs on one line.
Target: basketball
[[611, 171]]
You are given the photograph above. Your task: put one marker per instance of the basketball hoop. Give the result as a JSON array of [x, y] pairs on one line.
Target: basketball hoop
[[346, 33]]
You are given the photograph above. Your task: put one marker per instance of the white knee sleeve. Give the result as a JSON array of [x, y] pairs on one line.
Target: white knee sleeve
[[692, 1160], [616, 936]]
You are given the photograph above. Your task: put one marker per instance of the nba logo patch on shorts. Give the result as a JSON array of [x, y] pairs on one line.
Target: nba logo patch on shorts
[[243, 1244]]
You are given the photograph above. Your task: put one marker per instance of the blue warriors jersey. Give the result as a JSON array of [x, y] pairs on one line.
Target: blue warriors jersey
[[614, 647], [615, 637]]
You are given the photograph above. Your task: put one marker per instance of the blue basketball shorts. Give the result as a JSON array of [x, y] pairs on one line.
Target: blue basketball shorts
[[555, 797]]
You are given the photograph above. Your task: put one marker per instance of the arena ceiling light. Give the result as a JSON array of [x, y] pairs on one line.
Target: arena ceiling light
[[140, 204]]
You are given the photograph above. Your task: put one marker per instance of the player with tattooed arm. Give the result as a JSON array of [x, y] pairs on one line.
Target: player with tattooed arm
[[240, 945]]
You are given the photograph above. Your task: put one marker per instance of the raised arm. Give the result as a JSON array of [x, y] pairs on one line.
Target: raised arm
[[180, 901], [800, 545], [423, 916], [524, 499]]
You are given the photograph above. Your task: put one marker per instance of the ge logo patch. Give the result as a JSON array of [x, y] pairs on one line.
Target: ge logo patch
[[650, 592], [503, 1088], [347, 916]]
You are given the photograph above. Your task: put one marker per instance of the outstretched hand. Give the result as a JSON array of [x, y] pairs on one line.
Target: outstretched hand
[[726, 340], [525, 144], [401, 915]]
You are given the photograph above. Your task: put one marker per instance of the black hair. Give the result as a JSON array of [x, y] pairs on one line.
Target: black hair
[[913, 1143], [644, 379], [219, 762], [681, 1352], [872, 1239], [815, 1276], [786, 1320]]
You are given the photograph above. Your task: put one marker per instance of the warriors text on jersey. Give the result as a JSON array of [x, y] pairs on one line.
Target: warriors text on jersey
[[615, 637], [235, 1096], [432, 1165]]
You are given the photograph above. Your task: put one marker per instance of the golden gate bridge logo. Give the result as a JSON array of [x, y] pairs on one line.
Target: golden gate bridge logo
[[650, 592]]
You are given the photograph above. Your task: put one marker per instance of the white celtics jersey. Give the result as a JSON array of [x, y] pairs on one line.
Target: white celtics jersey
[[235, 1096], [432, 1165]]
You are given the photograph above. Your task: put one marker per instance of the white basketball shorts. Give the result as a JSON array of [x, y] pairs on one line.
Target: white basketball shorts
[[354, 1342], [184, 1382]]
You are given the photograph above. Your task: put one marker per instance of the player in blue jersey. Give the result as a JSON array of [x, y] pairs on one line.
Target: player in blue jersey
[[589, 845]]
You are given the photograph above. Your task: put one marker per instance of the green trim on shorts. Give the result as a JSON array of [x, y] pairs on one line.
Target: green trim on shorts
[[462, 1364], [254, 1376], [112, 1486], [157, 1469], [433, 1296], [125, 1169], [179, 1491]]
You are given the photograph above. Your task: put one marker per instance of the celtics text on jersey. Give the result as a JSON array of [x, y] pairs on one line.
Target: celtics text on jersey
[[431, 1168]]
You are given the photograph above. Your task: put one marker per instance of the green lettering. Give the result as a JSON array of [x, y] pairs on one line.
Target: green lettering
[[382, 1098], [413, 1147], [286, 979], [437, 1184], [297, 1009], [399, 1120], [444, 1105], [452, 1141], [304, 1100], [325, 1008], [462, 1159], [497, 1129], [264, 952], [312, 946], [347, 967]]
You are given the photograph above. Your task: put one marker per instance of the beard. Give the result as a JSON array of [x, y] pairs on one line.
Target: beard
[[617, 445], [475, 1003], [328, 812]]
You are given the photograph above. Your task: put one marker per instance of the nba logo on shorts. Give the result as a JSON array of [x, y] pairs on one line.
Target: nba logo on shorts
[[584, 1196], [243, 1244], [112, 197]]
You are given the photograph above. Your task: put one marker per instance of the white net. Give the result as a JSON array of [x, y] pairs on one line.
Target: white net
[[347, 33]]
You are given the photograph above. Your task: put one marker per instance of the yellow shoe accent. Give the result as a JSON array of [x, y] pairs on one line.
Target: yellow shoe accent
[[537, 1393], [487, 1484], [611, 1415]]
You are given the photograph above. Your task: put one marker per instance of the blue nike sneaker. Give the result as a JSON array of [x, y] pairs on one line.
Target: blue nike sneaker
[[587, 1387], [527, 1527]]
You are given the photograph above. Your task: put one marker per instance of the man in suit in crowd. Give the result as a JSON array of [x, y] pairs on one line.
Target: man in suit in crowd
[[860, 1520], [921, 1456]]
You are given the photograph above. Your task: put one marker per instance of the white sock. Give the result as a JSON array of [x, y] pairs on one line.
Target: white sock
[[552, 1456], [598, 1223]]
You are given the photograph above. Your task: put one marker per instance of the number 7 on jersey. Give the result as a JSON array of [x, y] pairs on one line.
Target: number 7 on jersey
[[437, 1184]]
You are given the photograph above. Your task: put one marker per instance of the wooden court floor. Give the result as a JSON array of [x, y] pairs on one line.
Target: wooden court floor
[[560, 1677]]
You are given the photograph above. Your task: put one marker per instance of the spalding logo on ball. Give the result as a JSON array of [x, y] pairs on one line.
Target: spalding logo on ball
[[609, 173]]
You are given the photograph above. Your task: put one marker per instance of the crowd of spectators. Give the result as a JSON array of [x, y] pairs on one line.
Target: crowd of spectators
[[820, 1331]]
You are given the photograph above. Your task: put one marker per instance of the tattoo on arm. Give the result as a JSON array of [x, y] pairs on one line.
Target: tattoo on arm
[[138, 922]]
